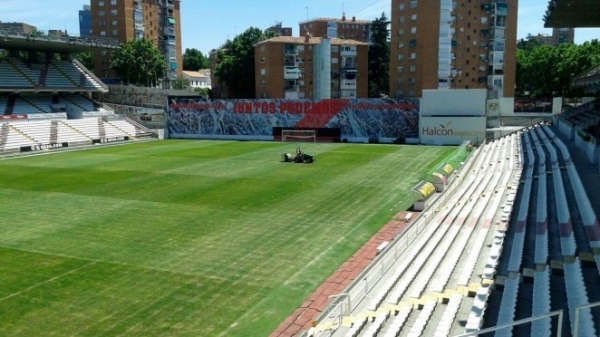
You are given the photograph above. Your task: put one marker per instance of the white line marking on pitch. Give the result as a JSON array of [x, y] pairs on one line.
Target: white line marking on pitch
[[47, 281]]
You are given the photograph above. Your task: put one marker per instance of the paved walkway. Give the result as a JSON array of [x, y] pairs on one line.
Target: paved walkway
[[302, 318]]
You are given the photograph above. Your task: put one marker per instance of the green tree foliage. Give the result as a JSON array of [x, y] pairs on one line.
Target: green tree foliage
[[194, 60], [379, 58], [180, 83], [86, 58], [235, 68], [545, 70], [139, 62]]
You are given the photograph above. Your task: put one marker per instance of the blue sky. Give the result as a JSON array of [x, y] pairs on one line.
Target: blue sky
[[206, 24]]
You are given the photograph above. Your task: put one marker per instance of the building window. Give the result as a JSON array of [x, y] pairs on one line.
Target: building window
[[335, 49], [401, 6], [102, 33], [262, 48], [262, 59], [113, 2], [413, 30], [334, 60], [400, 32], [400, 57], [413, 17], [101, 3], [412, 68], [263, 83], [100, 13], [115, 22], [113, 12], [413, 4], [263, 71], [399, 69], [400, 44], [401, 19], [413, 55], [115, 32]]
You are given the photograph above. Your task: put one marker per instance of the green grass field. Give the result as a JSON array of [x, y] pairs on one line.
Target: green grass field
[[187, 238]]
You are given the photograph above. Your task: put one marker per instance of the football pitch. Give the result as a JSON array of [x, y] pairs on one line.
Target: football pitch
[[188, 238]]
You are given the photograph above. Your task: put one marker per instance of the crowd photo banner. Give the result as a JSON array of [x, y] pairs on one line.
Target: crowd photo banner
[[358, 119]]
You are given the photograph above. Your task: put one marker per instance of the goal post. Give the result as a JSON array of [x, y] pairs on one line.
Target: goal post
[[290, 135]]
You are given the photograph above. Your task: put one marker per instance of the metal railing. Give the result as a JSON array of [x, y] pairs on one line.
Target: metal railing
[[558, 313]]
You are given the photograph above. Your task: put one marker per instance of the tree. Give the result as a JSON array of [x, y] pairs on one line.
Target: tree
[[545, 70], [139, 62], [235, 68], [379, 58], [194, 60], [181, 83], [86, 58]]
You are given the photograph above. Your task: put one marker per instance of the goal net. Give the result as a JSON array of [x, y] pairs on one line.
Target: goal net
[[298, 136]]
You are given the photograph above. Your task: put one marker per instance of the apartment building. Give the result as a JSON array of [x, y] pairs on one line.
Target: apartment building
[[353, 29], [456, 44], [155, 20], [563, 35], [280, 30], [85, 21], [311, 67], [17, 27], [559, 35]]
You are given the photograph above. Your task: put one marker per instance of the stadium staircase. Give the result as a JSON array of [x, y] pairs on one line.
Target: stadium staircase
[[54, 132], [43, 76], [89, 79], [4, 129]]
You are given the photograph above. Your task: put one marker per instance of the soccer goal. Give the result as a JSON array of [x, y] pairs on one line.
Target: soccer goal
[[298, 135]]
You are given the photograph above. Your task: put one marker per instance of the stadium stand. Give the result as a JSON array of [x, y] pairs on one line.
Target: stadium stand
[[467, 270], [46, 103]]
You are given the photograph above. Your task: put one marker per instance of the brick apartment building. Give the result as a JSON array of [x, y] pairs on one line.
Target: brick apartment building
[[155, 20], [460, 44], [280, 29], [311, 67], [352, 29]]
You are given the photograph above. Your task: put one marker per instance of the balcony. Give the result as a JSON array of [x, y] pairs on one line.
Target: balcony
[[291, 73], [169, 31], [348, 93], [290, 49], [347, 51], [347, 84], [139, 26], [350, 73], [500, 9]]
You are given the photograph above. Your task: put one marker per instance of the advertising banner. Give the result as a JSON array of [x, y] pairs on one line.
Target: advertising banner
[[451, 130], [192, 117]]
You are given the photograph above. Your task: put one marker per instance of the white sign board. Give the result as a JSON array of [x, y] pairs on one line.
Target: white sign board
[[451, 130], [453, 102]]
